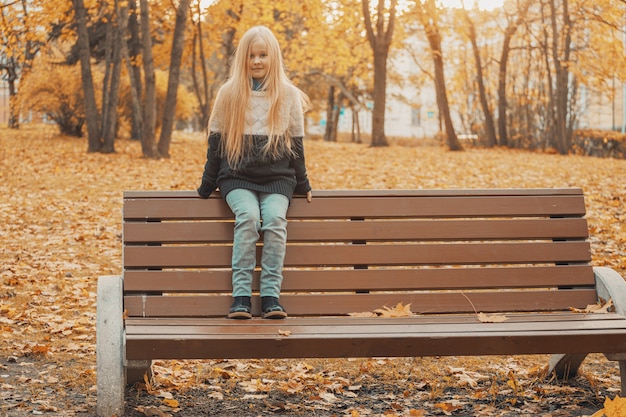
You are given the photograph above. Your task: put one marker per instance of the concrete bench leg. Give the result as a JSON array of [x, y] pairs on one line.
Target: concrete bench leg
[[565, 366], [110, 347]]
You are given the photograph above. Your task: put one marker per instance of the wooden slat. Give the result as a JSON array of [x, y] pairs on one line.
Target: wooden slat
[[377, 230], [399, 345], [372, 207], [338, 255], [341, 304], [215, 281], [335, 326], [400, 337], [528, 318]]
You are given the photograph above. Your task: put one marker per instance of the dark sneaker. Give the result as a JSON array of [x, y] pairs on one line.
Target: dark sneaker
[[240, 309], [272, 309]]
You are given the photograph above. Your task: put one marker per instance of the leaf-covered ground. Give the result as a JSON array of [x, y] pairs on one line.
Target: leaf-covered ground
[[60, 227]]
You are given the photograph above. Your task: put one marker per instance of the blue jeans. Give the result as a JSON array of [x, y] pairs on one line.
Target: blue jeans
[[250, 207]]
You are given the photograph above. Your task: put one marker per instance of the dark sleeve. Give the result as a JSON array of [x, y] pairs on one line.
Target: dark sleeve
[[211, 167], [298, 163]]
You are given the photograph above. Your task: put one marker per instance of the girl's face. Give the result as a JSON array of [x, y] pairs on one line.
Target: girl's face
[[258, 60]]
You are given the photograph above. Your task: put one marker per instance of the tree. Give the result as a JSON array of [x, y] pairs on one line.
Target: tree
[[62, 101], [174, 76], [133, 71], [562, 124], [148, 141], [111, 85], [380, 39], [91, 109], [428, 15], [514, 21], [21, 42], [490, 128]]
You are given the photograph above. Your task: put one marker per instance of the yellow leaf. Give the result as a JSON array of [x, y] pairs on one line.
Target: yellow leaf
[[400, 310], [363, 314], [594, 308], [447, 408], [615, 408], [284, 332], [170, 403], [492, 318]]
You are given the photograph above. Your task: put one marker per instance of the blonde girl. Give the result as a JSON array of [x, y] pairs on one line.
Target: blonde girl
[[256, 159]]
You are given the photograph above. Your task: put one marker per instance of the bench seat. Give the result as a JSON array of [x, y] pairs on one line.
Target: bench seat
[[342, 337]]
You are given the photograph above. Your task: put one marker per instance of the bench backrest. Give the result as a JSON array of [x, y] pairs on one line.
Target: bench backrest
[[442, 251]]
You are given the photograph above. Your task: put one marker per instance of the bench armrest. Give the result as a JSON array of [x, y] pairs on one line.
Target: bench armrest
[[110, 346], [611, 286]]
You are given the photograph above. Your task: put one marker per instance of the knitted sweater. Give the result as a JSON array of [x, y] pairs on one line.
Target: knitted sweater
[[284, 175]]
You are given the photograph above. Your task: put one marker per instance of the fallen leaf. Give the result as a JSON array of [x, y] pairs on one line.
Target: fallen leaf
[[363, 314], [255, 396], [492, 318], [615, 407], [447, 408], [400, 310], [594, 308], [284, 332], [171, 402]]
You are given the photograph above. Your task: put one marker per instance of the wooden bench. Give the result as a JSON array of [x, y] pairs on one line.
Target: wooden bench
[[450, 254]]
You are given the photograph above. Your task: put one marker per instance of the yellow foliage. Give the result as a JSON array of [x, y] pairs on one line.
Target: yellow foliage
[[62, 100], [186, 103]]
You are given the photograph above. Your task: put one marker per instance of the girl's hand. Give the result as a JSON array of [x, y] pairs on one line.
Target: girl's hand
[[309, 196]]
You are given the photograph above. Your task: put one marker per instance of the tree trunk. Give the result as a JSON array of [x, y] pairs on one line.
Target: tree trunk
[[91, 109], [560, 57], [428, 17], [330, 106], [490, 128], [502, 73], [202, 94], [502, 100], [174, 76], [356, 126], [380, 103], [108, 58], [336, 115], [134, 51], [133, 75], [14, 114], [148, 142], [380, 41], [109, 124]]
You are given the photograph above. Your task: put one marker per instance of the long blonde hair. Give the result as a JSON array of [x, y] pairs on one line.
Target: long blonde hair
[[235, 96]]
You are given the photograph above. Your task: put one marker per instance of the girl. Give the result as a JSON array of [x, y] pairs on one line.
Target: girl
[[256, 158]]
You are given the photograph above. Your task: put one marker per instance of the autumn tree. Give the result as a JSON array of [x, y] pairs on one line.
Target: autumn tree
[[380, 37], [62, 101], [558, 44], [427, 14], [21, 40], [490, 127], [514, 19], [148, 137], [174, 78], [342, 79], [91, 109]]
